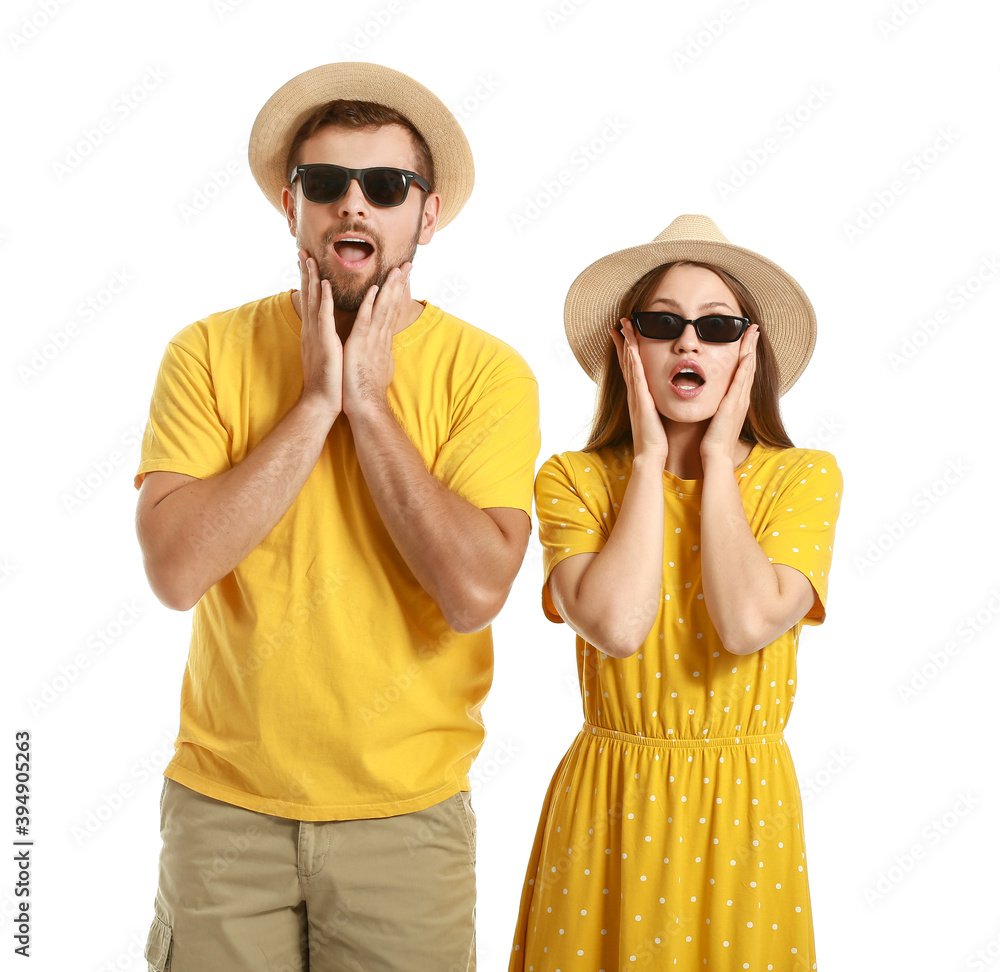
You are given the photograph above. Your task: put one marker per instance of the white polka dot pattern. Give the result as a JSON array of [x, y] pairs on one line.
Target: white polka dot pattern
[[671, 834]]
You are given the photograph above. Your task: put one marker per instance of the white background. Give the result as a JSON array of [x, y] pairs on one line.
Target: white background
[[898, 141]]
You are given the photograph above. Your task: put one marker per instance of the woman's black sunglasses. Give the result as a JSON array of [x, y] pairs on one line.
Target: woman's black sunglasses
[[714, 328], [383, 186]]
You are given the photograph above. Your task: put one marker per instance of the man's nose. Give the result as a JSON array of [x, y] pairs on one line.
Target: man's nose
[[353, 202]]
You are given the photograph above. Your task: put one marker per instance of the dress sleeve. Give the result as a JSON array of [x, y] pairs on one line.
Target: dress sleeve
[[489, 458], [799, 533], [185, 432], [571, 519]]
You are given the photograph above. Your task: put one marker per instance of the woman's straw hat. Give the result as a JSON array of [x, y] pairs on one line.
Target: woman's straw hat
[[593, 301]]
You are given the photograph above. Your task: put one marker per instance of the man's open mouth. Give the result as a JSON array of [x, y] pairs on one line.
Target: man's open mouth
[[352, 250]]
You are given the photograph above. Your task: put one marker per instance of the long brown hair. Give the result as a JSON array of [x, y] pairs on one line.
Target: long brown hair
[[612, 426]]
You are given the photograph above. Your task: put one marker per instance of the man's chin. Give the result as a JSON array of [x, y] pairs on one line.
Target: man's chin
[[348, 297], [348, 302]]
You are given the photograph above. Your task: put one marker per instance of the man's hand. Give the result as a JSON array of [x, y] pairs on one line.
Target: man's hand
[[368, 364], [322, 352]]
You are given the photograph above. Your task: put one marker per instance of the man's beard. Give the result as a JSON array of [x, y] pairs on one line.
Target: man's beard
[[348, 296]]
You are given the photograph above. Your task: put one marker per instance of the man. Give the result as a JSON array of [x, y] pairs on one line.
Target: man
[[339, 481]]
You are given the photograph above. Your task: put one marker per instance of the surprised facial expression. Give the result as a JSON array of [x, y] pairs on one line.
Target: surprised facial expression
[[354, 242], [689, 377]]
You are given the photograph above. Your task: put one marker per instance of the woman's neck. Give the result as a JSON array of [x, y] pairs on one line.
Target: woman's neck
[[684, 449]]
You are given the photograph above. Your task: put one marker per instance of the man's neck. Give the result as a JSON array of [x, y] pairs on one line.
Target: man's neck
[[345, 319]]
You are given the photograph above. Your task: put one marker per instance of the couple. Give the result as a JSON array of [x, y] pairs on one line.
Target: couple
[[339, 480]]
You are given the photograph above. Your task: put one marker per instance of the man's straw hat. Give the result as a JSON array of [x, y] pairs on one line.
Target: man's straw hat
[[286, 110]]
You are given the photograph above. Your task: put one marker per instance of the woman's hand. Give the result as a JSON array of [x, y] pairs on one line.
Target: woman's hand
[[322, 353], [721, 439], [648, 435]]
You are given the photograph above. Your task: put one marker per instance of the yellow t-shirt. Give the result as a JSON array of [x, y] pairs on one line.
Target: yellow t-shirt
[[323, 682]]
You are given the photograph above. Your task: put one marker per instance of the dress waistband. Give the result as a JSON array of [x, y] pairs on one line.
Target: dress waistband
[[661, 742]]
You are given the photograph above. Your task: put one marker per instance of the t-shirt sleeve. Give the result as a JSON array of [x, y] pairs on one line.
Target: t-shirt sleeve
[[185, 433], [800, 532], [570, 520], [489, 457]]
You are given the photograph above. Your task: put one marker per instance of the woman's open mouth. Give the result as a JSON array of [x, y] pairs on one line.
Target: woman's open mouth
[[688, 380]]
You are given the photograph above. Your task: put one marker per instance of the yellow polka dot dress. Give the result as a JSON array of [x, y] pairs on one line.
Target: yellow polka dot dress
[[671, 834]]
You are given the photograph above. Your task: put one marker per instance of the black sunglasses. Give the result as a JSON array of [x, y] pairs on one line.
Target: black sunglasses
[[383, 186], [714, 328]]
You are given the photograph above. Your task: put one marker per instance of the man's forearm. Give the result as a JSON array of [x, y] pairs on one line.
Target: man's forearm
[[455, 550], [198, 533]]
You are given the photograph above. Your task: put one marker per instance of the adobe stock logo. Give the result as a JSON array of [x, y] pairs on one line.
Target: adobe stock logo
[[923, 502], [938, 659], [787, 126], [580, 160], [903, 864], [32, 25], [86, 313], [913, 170], [91, 137], [371, 28], [957, 298], [712, 28]]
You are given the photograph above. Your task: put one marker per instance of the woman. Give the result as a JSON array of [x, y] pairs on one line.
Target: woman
[[686, 545]]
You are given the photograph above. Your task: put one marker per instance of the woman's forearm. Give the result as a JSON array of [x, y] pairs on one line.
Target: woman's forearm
[[618, 596], [749, 602]]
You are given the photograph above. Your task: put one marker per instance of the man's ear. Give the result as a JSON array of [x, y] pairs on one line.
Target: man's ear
[[288, 204], [429, 219]]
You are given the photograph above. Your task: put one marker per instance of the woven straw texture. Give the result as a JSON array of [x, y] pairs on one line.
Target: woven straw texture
[[292, 103], [594, 297]]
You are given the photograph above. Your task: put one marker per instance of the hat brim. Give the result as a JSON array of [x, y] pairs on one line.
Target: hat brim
[[594, 298], [288, 108]]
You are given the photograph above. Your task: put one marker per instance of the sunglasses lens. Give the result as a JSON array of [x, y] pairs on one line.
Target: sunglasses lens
[[324, 183], [385, 187], [719, 329], [663, 327]]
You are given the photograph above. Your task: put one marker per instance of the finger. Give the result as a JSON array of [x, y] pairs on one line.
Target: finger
[[632, 344], [625, 360], [742, 382], [363, 318], [739, 387], [635, 358], [747, 350], [749, 362], [303, 288], [405, 283], [326, 321], [389, 299], [314, 294]]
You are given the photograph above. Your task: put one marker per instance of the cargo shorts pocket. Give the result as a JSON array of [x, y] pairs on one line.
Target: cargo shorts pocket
[[157, 952], [468, 815]]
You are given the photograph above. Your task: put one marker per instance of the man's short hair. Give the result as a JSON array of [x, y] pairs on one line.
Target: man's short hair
[[360, 114]]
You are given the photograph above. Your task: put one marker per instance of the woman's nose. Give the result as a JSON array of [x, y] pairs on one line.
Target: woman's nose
[[687, 339]]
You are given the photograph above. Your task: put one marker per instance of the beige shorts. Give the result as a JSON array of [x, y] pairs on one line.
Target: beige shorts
[[242, 891]]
